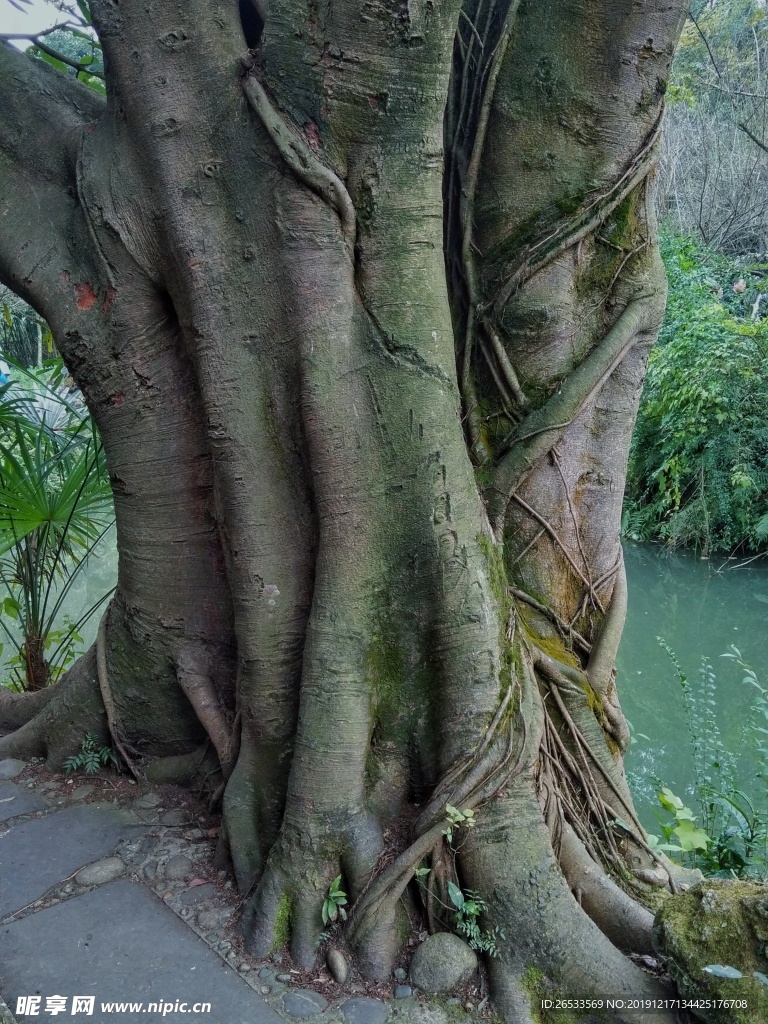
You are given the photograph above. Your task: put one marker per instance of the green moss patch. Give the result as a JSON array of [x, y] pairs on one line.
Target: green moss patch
[[718, 922]]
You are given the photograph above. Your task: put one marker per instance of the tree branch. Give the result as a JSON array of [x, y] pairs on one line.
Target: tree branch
[[57, 55], [750, 135], [44, 113]]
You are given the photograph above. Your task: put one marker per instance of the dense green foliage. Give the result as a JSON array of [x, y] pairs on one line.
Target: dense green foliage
[[698, 471]]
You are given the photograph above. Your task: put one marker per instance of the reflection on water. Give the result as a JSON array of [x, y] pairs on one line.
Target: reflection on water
[[700, 608]]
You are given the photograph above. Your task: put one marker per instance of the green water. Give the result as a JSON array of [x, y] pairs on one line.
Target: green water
[[700, 608]]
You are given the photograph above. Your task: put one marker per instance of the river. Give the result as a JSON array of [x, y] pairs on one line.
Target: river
[[700, 608]]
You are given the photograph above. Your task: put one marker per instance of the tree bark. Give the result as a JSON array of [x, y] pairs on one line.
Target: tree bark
[[362, 314]]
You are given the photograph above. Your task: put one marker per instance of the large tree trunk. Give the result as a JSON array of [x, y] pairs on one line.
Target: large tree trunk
[[362, 314]]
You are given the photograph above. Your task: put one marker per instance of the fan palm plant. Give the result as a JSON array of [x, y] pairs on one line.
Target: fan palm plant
[[55, 506]]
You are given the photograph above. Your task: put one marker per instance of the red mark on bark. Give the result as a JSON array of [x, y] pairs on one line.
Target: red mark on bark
[[313, 138], [85, 296], [118, 399], [108, 299]]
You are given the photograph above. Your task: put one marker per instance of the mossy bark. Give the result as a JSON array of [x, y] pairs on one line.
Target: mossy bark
[[365, 370]]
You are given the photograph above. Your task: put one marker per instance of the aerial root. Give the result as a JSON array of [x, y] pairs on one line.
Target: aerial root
[[195, 678], [106, 694], [300, 158], [627, 924]]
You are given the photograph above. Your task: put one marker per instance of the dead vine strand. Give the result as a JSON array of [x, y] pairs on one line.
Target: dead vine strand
[[552, 532], [587, 220]]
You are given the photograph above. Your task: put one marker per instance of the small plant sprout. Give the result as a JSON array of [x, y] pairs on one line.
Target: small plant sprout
[[90, 757], [334, 903], [457, 819], [469, 906]]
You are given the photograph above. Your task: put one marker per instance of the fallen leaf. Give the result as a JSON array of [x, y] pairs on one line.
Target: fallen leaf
[[198, 881]]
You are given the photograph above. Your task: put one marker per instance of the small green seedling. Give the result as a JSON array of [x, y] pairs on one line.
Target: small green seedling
[[334, 903], [457, 819], [90, 757]]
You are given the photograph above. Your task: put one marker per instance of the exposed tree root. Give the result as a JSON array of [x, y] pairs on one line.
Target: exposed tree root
[[57, 730], [627, 924], [299, 871], [16, 709], [508, 854], [27, 741]]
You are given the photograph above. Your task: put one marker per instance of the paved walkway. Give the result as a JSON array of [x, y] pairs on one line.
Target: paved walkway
[[72, 938], [109, 898]]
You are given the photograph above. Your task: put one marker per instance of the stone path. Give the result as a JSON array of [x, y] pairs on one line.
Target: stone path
[[109, 894]]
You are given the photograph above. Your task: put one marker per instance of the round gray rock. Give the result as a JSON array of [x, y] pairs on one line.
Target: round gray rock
[[403, 991], [360, 1010], [197, 895], [423, 1013], [178, 868], [11, 767], [441, 962], [101, 872], [337, 965], [302, 1002]]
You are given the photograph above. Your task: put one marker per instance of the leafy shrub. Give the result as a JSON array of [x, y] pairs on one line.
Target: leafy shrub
[[90, 757], [698, 471], [55, 505]]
